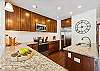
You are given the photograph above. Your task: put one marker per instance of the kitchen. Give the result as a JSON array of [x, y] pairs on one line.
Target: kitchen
[[45, 39]]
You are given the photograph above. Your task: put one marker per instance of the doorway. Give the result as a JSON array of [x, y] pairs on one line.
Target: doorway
[[98, 37], [98, 45]]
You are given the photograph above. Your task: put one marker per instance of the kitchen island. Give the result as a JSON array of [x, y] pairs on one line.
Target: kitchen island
[[84, 50], [37, 62], [82, 57]]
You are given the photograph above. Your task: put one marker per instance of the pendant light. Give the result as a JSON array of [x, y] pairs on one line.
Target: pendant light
[[9, 7]]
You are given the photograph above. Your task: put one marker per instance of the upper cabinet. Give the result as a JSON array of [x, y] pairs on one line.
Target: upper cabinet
[[13, 19], [66, 23], [33, 22], [25, 24], [51, 25], [24, 20], [48, 25]]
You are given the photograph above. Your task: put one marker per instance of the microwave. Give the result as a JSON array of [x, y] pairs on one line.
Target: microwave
[[40, 28]]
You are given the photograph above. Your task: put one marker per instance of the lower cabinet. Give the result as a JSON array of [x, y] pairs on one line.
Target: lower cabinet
[[78, 62], [53, 46], [33, 46], [68, 60], [88, 64]]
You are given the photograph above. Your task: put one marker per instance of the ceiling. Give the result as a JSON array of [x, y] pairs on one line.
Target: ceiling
[[49, 7]]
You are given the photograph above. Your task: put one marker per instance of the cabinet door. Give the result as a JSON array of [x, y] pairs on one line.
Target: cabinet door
[[88, 64], [53, 25], [13, 19], [68, 61], [25, 20], [40, 19], [33, 46], [66, 23], [54, 46], [33, 22], [43, 20], [77, 62], [48, 25], [57, 46]]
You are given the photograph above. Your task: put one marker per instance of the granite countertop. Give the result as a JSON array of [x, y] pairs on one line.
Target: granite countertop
[[84, 50], [31, 42], [38, 62]]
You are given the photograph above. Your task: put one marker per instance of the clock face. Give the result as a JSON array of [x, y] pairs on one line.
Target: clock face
[[82, 27]]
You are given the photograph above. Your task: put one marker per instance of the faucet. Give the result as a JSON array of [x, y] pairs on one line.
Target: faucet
[[89, 41]]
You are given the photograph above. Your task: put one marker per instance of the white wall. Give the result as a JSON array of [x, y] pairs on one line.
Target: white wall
[[98, 20], [59, 31], [2, 27], [22, 36], [91, 17]]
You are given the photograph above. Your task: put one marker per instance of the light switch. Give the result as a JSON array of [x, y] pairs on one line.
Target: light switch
[[69, 54], [77, 59]]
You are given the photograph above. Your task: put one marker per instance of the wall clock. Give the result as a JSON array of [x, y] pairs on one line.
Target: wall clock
[[82, 27]]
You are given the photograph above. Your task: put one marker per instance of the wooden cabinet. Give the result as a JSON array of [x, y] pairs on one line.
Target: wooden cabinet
[[51, 25], [68, 61], [66, 23], [53, 46], [43, 20], [48, 29], [33, 46], [12, 21], [25, 20], [88, 64], [79, 62], [40, 19], [33, 22]]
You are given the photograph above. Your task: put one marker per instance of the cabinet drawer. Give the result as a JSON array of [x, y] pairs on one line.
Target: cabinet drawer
[[77, 62], [75, 55]]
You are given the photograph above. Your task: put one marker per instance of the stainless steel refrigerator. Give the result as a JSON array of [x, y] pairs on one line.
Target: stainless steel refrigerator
[[66, 37]]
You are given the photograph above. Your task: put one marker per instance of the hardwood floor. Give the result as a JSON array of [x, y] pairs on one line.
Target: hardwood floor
[[58, 57]]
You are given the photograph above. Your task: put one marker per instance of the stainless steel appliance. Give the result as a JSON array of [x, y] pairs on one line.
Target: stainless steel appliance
[[65, 37], [40, 27]]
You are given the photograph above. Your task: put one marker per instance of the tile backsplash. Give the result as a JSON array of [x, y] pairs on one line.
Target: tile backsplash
[[23, 36]]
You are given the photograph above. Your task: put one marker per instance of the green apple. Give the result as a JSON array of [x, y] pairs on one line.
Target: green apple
[[23, 51]]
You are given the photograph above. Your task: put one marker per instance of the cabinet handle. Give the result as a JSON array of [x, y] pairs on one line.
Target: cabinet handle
[[69, 55], [77, 60]]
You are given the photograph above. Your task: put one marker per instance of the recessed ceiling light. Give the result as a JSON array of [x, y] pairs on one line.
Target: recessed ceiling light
[[71, 13], [58, 8], [58, 17], [34, 6], [80, 6]]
